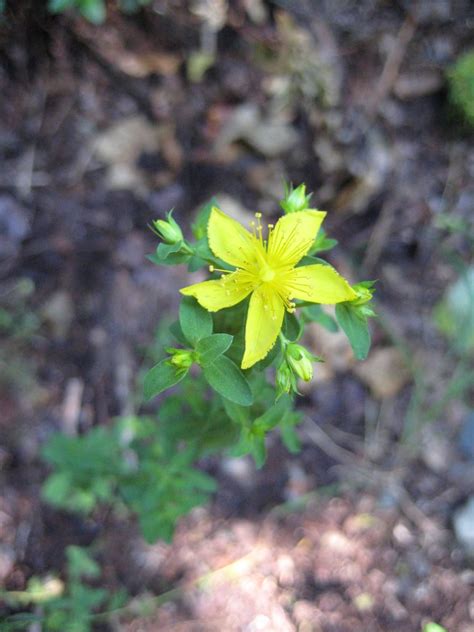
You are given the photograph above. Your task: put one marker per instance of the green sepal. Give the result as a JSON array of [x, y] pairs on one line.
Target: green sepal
[[354, 324], [228, 380], [322, 243], [161, 377], [211, 347], [195, 321]]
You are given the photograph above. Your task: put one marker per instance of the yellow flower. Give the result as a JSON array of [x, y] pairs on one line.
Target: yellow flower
[[266, 270]]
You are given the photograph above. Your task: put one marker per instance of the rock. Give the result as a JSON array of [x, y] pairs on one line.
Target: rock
[[466, 437], [385, 372], [58, 312], [269, 135], [14, 227], [120, 147], [436, 450], [463, 523], [418, 85], [166, 198], [233, 207]]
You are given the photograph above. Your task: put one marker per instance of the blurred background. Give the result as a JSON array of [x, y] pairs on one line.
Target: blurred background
[[109, 117]]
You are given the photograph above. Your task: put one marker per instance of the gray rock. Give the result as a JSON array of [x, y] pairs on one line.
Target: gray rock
[[463, 522], [466, 437]]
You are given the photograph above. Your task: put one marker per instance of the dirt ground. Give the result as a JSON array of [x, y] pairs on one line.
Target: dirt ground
[[103, 129]]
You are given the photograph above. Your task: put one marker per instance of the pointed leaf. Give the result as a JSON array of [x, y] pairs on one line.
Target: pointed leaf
[[228, 380], [356, 328], [211, 347], [195, 321], [161, 377]]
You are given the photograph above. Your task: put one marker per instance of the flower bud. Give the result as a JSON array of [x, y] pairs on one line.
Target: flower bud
[[300, 360], [169, 230], [364, 294], [181, 358], [284, 379], [296, 200]]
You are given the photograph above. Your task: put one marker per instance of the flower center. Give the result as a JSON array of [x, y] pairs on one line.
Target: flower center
[[266, 274]]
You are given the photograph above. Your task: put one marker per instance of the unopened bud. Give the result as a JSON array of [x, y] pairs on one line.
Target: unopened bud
[[168, 230], [284, 379], [300, 360], [364, 294], [181, 358], [296, 200]]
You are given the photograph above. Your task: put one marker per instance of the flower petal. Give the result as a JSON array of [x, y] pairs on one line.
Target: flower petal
[[264, 321], [318, 284], [229, 240], [293, 236], [224, 292]]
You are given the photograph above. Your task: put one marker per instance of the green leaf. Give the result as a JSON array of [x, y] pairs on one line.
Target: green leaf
[[316, 314], [195, 321], [177, 333], [58, 6], [164, 250], [19, 621], [199, 227], [259, 450], [433, 627], [355, 327], [273, 415], [238, 414], [93, 10], [57, 487], [161, 377], [288, 432], [291, 327], [80, 563], [251, 441], [173, 259], [229, 381], [211, 347], [454, 315], [196, 263], [322, 243]]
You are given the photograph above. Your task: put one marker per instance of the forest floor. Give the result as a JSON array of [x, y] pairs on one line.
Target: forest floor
[[103, 129]]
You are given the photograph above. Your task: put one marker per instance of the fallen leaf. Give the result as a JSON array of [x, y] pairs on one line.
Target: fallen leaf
[[384, 372]]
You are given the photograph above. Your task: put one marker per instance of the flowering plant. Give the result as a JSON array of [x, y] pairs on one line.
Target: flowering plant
[[236, 360], [243, 325]]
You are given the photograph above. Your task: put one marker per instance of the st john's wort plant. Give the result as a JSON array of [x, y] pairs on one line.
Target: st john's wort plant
[[234, 358]]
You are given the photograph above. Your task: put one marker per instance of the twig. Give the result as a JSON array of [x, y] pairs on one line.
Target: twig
[[379, 235], [72, 406], [393, 63]]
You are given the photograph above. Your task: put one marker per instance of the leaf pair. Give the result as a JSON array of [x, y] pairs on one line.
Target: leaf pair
[[220, 372]]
